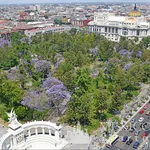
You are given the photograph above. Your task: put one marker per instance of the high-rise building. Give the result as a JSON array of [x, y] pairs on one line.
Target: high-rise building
[[38, 7], [32, 8]]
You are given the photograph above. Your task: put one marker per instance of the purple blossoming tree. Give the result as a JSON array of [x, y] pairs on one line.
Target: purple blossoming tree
[[42, 66]]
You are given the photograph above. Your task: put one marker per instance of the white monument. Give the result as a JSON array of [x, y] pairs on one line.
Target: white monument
[[32, 135]]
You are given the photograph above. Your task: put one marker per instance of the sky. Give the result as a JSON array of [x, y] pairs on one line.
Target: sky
[[67, 1]]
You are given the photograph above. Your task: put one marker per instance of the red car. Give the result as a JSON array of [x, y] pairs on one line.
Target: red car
[[144, 134], [141, 111], [146, 106]]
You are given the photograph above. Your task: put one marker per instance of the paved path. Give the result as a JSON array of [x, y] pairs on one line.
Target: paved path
[[3, 130]]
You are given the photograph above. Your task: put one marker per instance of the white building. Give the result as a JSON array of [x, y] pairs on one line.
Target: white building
[[113, 27], [38, 7], [32, 135], [32, 7], [50, 29]]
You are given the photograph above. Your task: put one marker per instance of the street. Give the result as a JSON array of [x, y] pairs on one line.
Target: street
[[122, 145]]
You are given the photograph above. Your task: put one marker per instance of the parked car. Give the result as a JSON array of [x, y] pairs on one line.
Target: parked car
[[125, 138], [146, 106], [144, 134], [116, 128], [141, 119], [131, 129], [129, 141], [136, 145], [147, 113], [141, 111]]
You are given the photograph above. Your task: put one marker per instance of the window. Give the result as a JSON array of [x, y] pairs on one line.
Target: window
[[105, 29], [137, 32], [125, 31], [116, 30], [112, 30]]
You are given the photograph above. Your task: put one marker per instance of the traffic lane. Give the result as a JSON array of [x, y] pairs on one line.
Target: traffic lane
[[131, 135], [137, 116], [122, 133]]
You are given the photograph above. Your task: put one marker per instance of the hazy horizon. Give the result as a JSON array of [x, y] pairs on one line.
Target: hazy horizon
[[69, 1]]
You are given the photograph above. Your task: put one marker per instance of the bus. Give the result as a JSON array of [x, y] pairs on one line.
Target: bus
[[112, 141]]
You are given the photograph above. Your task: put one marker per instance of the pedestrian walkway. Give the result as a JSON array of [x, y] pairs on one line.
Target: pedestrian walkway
[[3, 130]]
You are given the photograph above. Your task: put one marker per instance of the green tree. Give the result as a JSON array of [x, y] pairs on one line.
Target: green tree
[[73, 31], [15, 38], [10, 93], [102, 103], [82, 81], [106, 49], [8, 58]]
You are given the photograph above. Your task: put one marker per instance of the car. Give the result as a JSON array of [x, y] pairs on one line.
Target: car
[[129, 141], [116, 128], [144, 134], [136, 145], [141, 125], [144, 124], [131, 129], [147, 113], [137, 133], [125, 138], [141, 119], [146, 106], [141, 111]]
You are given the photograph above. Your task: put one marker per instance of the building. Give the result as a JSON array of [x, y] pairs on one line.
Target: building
[[113, 27], [32, 135], [22, 15], [51, 29], [33, 8], [42, 135], [38, 7], [80, 22], [135, 12]]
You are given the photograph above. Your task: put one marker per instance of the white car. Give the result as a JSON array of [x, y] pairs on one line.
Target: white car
[[141, 119]]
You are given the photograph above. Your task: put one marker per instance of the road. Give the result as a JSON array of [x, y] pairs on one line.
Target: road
[[122, 145]]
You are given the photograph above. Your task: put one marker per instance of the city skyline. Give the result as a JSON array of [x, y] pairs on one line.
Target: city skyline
[[68, 1]]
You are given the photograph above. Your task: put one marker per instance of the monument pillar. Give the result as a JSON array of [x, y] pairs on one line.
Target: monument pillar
[[36, 131], [43, 131], [49, 131]]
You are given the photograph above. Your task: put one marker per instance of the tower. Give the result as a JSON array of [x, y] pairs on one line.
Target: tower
[[135, 8], [134, 12]]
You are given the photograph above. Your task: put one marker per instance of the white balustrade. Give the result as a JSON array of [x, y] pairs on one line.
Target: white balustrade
[[27, 128]]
